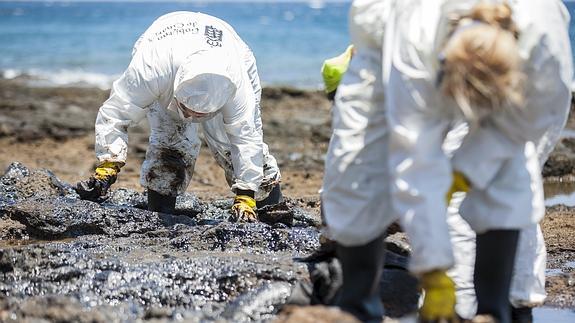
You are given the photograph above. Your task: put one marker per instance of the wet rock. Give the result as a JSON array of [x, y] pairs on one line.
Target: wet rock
[[116, 261], [125, 197], [18, 182], [61, 217], [136, 270], [399, 292], [12, 230], [193, 266], [561, 161], [251, 237], [259, 305], [279, 213]]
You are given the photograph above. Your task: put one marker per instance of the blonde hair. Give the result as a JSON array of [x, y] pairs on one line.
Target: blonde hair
[[481, 66]]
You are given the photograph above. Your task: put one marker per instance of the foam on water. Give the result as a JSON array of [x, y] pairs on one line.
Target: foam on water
[[37, 77]]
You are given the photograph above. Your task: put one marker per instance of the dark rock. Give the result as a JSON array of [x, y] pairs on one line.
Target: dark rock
[[561, 161], [116, 261], [116, 256]]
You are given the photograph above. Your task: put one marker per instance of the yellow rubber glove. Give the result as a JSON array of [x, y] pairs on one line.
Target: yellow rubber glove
[[106, 170], [97, 186], [333, 69], [244, 209], [458, 184], [439, 302]]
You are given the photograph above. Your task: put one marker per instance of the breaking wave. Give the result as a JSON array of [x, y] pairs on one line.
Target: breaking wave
[[60, 78]]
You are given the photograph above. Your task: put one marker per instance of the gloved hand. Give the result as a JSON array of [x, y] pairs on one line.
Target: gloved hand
[[244, 209], [439, 302], [458, 184], [98, 184], [333, 69]]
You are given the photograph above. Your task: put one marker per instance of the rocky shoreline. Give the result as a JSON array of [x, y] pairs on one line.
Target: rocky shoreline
[[64, 259]]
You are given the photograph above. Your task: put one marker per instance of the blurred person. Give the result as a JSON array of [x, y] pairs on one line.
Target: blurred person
[[189, 73], [505, 68], [424, 105], [528, 280]]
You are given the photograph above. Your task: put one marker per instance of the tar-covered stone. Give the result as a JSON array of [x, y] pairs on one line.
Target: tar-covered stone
[[66, 259]]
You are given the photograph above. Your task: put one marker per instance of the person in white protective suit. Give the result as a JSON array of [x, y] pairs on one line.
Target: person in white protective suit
[[399, 99], [528, 279], [190, 72]]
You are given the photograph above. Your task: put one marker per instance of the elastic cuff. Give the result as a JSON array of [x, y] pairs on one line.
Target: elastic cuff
[[116, 165], [249, 193]]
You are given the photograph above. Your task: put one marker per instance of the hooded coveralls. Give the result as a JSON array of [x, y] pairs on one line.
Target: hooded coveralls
[[397, 46], [528, 280], [199, 57]]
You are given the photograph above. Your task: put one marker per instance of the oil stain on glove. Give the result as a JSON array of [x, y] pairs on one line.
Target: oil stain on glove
[[97, 186], [243, 209], [439, 302]]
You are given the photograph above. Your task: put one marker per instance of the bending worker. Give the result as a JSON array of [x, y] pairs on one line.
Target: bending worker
[[528, 280], [190, 72], [505, 70]]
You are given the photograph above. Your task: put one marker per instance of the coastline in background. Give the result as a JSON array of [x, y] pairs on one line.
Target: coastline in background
[[89, 43]]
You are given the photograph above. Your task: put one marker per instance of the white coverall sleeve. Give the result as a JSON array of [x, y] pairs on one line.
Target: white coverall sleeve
[[421, 170], [137, 88], [251, 68], [245, 139]]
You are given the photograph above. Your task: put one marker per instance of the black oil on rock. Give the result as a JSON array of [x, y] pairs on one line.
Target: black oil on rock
[[65, 259]]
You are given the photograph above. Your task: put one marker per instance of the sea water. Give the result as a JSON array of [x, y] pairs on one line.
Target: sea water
[[68, 41], [65, 42]]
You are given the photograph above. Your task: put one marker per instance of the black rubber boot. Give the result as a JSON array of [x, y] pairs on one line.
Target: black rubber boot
[[273, 198], [521, 314], [161, 203], [494, 260], [362, 268]]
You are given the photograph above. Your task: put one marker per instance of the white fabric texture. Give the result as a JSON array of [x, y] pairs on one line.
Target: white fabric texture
[[214, 71], [204, 81], [355, 194], [528, 280], [492, 156]]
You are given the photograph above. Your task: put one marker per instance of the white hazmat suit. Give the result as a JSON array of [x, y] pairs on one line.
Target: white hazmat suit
[[200, 61], [528, 281], [397, 46]]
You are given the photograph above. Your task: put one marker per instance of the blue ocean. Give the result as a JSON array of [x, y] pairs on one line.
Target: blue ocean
[[81, 42]]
